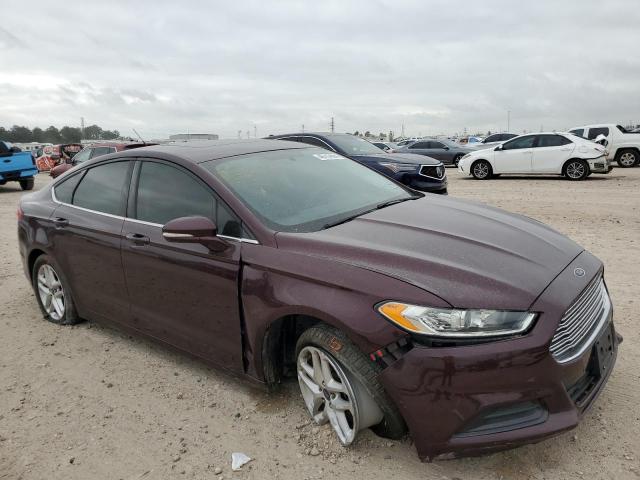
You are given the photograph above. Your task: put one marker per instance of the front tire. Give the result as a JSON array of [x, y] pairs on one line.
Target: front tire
[[53, 293], [576, 170], [340, 385], [27, 183], [627, 158], [481, 170]]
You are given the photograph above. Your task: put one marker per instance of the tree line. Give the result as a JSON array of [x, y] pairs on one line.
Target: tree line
[[66, 134]]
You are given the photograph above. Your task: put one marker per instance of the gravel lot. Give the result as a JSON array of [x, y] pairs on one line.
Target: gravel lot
[[89, 402]]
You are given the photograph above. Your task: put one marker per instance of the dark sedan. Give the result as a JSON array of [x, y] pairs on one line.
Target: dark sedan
[[447, 151], [418, 172], [475, 328]]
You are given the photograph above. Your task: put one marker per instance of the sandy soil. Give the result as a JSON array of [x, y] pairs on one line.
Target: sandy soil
[[90, 402]]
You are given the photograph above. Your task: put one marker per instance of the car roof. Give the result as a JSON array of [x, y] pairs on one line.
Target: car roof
[[318, 134], [199, 151]]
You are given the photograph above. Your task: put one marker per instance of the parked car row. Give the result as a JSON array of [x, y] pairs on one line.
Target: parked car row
[[92, 151]]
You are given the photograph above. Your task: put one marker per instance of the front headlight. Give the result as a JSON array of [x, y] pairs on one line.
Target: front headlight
[[400, 167], [455, 323]]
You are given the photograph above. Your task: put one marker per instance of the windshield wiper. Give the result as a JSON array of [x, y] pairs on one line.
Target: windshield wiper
[[378, 207], [393, 202]]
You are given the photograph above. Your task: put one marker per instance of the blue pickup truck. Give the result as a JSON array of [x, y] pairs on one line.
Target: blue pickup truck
[[16, 166]]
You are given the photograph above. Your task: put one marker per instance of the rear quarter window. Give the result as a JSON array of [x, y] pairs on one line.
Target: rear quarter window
[[64, 190]]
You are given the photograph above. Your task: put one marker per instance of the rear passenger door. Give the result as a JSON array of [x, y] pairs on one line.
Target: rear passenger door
[[550, 153], [183, 294], [88, 220]]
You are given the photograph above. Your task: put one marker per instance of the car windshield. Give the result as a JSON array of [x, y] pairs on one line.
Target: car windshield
[[355, 145], [305, 190]]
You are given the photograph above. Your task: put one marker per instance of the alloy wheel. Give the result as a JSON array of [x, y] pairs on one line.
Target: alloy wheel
[[51, 292], [575, 170], [332, 396], [627, 159], [481, 170]]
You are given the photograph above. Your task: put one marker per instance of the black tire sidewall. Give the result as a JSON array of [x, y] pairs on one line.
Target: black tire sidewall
[[489, 173], [27, 184], [622, 152], [359, 366], [70, 315], [587, 170]]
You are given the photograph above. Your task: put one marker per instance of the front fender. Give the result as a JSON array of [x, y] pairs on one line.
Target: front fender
[[277, 283]]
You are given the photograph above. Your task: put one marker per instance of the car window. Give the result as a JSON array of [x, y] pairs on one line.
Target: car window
[[64, 190], [520, 142], [98, 151], [438, 145], [166, 192], [552, 141], [578, 132], [419, 145], [275, 186], [102, 188], [82, 156], [594, 132]]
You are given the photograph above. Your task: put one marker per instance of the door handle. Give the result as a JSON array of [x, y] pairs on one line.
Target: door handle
[[137, 238], [60, 222]]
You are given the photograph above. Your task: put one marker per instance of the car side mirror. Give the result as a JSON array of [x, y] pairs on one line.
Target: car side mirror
[[194, 230], [498, 148], [445, 147]]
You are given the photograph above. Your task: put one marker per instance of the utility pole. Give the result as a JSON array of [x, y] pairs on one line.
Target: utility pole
[[248, 134], [508, 120], [402, 133], [255, 131], [239, 133], [303, 128], [332, 126], [81, 128]]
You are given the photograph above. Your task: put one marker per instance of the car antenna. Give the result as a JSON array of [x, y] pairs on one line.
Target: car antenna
[[141, 139]]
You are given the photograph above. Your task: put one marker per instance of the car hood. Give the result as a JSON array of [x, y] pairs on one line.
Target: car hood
[[468, 254], [398, 158]]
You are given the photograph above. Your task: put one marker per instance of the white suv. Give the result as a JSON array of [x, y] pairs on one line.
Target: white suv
[[538, 153], [622, 145]]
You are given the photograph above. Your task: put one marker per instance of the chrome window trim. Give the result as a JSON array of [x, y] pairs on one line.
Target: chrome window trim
[[135, 220]]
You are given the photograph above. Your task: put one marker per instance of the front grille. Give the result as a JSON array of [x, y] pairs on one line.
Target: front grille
[[581, 322], [432, 171]]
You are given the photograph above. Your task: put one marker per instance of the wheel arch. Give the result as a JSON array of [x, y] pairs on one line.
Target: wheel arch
[[31, 260]]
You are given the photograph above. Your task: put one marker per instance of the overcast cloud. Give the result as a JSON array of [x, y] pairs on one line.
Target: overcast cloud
[[220, 67]]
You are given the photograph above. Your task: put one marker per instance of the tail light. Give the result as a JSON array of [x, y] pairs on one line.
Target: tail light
[[19, 213]]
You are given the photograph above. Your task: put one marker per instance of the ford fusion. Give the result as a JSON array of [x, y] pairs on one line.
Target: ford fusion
[[471, 328]]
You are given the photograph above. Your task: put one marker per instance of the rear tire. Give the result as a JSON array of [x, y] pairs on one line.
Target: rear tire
[[576, 170], [361, 375], [27, 183], [53, 292], [627, 158], [457, 158], [481, 170]]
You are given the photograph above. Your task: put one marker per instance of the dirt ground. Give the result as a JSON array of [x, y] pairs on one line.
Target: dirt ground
[[89, 402]]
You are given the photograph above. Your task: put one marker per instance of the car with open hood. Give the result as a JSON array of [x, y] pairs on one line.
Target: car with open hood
[[473, 328]]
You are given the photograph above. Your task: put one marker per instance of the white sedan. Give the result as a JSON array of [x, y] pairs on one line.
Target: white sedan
[[538, 153]]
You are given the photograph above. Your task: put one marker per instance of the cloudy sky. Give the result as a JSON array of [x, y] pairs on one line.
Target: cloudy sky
[[220, 67]]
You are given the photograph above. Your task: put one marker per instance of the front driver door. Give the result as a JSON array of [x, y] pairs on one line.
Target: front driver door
[[515, 155], [182, 294]]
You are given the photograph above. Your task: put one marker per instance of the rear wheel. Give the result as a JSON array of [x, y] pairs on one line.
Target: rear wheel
[[53, 292], [27, 183], [627, 158], [576, 170], [457, 158], [339, 385], [481, 170]]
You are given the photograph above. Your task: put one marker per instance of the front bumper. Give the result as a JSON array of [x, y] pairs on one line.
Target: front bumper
[[18, 174], [445, 393], [425, 184]]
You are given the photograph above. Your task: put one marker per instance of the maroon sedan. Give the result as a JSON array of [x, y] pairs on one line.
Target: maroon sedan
[[90, 152], [475, 328]]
